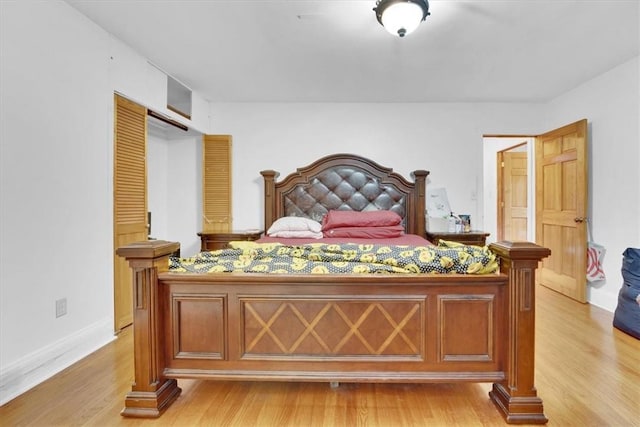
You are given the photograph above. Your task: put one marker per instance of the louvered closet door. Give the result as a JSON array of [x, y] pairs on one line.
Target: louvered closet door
[[130, 198], [216, 183]]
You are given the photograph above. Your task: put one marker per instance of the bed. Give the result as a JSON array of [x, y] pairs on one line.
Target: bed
[[336, 327]]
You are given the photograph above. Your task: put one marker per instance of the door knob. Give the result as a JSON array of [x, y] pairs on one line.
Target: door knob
[[578, 219]]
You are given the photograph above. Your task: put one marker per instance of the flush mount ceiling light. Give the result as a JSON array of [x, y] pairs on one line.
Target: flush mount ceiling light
[[401, 17]]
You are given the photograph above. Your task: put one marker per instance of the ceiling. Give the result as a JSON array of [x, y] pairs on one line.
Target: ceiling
[[335, 50]]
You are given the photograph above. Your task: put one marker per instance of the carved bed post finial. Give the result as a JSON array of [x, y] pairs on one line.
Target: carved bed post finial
[[516, 395], [151, 393], [269, 197]]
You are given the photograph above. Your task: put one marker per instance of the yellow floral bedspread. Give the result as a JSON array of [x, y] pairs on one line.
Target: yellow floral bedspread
[[350, 258]]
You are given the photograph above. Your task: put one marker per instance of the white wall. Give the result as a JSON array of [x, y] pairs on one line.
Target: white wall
[[56, 191], [185, 194], [58, 75], [444, 138], [157, 182], [174, 184], [611, 103]]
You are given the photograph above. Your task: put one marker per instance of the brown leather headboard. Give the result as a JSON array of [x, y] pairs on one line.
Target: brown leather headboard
[[345, 182]]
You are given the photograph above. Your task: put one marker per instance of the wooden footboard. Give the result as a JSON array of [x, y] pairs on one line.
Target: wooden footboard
[[367, 328]]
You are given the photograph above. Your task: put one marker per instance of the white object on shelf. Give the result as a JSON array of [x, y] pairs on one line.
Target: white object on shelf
[[438, 210], [437, 225], [438, 203]]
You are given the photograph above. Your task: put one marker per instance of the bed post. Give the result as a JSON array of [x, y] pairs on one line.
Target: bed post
[[420, 199], [151, 393], [516, 395], [269, 197]]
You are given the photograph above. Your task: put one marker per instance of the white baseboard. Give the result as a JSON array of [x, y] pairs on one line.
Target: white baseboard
[[605, 300], [42, 364]]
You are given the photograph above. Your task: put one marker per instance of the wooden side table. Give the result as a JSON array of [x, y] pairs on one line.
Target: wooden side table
[[210, 241], [473, 237]]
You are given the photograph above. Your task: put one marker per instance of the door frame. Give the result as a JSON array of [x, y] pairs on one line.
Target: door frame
[[492, 145], [491, 142]]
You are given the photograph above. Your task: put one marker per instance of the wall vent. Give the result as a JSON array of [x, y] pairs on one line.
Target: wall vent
[[178, 97]]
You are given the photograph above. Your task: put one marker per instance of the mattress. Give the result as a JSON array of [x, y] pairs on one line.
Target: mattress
[[405, 239]]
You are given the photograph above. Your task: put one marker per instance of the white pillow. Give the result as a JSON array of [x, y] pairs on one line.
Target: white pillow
[[294, 223], [300, 234]]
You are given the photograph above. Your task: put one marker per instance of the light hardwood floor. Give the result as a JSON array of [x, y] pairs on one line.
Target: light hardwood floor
[[588, 374]]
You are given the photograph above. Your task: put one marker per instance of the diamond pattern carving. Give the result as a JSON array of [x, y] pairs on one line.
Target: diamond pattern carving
[[332, 328], [346, 188]]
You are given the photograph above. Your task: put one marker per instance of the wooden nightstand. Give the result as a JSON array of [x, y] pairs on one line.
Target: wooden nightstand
[[473, 237], [210, 241]]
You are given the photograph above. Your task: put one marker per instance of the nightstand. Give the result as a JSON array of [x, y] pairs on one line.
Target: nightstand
[[210, 241], [473, 237]]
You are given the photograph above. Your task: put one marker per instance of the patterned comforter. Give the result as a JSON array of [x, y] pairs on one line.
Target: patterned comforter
[[349, 258]]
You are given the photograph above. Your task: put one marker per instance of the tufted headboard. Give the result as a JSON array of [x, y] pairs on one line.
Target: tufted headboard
[[345, 182]]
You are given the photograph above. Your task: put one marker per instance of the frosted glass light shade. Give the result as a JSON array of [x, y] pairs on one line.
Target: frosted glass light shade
[[401, 17]]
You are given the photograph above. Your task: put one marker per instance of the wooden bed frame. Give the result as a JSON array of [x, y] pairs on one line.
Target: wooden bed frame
[[336, 328]]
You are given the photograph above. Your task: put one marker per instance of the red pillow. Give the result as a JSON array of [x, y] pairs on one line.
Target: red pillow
[[366, 232], [339, 219]]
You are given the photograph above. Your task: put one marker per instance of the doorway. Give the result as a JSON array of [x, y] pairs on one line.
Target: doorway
[[492, 147], [557, 201], [145, 184]]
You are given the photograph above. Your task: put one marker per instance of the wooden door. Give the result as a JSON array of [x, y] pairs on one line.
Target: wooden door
[[216, 183], [129, 198], [513, 200], [561, 208]]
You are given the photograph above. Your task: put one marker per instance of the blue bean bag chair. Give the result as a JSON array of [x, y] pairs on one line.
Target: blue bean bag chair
[[627, 314]]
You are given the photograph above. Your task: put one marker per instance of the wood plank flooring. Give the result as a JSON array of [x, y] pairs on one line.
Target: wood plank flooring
[[588, 374]]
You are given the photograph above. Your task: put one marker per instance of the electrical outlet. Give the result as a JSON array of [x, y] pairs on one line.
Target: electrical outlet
[[61, 307]]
